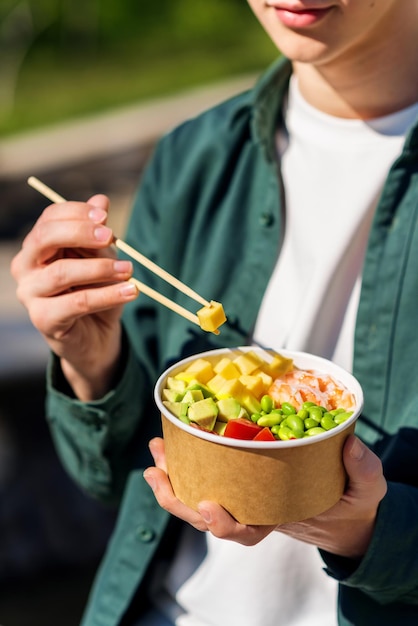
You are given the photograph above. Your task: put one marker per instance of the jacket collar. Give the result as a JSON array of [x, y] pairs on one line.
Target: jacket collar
[[268, 97]]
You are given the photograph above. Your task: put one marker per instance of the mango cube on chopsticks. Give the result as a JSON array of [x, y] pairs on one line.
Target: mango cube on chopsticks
[[211, 317]]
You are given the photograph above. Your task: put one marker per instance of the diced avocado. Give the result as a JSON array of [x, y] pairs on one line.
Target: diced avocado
[[228, 408], [250, 403], [219, 427], [174, 383], [193, 386], [177, 408], [203, 413], [193, 395], [243, 413], [172, 395]]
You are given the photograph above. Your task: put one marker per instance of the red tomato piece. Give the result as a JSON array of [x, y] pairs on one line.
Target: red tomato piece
[[265, 435], [241, 428]]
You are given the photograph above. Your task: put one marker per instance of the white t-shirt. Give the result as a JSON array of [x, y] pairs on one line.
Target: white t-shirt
[[333, 172]]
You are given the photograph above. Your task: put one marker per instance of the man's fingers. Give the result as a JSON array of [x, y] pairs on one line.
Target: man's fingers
[[54, 316], [210, 516], [64, 274], [158, 480], [364, 470]]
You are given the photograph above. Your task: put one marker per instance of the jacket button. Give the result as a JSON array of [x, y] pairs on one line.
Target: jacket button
[[266, 219], [144, 534]]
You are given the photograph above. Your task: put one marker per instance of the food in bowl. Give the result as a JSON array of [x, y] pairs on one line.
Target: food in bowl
[[256, 481], [254, 398]]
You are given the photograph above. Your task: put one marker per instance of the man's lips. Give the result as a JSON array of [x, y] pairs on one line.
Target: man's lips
[[298, 16]]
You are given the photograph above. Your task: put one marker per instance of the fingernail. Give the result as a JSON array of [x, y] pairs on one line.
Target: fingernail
[[128, 290], [97, 215], [102, 233], [357, 450], [207, 517], [123, 267], [149, 480]]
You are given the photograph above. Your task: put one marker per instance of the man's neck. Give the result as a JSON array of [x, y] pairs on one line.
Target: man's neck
[[384, 83]]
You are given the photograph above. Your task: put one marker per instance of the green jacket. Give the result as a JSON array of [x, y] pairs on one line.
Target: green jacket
[[209, 210]]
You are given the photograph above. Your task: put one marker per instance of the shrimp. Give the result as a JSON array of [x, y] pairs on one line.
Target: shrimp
[[299, 386]]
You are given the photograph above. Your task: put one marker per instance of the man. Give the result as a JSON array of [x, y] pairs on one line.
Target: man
[[295, 206]]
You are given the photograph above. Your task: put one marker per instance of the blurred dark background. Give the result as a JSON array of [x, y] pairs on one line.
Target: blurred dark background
[[86, 88]]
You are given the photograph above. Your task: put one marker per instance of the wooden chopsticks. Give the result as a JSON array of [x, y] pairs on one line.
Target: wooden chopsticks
[[140, 258]]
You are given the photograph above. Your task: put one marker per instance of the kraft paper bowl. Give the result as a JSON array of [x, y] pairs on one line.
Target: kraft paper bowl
[[258, 482]]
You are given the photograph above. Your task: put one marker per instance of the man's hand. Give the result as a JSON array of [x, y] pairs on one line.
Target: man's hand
[[345, 529], [73, 287]]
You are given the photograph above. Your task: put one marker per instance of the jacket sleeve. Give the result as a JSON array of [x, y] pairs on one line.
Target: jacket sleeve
[[96, 441], [388, 572]]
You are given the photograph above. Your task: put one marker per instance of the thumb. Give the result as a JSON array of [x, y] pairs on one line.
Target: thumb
[[364, 469], [99, 201]]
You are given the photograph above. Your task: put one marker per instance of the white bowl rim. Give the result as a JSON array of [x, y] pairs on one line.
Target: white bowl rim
[[318, 363]]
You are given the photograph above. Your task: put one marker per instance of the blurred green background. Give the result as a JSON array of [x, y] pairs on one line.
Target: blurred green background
[[61, 59]]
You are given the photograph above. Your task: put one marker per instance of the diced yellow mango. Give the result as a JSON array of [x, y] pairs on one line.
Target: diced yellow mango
[[279, 365], [232, 388], [254, 384], [216, 383], [227, 369], [248, 362], [187, 377], [211, 317], [266, 378], [201, 369]]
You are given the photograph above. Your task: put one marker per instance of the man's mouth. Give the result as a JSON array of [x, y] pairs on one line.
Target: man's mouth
[[296, 15]]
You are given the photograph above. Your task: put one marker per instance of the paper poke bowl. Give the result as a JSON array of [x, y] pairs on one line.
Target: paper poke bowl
[[259, 432]]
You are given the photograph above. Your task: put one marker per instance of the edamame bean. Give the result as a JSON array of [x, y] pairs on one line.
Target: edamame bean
[[294, 422], [341, 417], [327, 422], [314, 431], [288, 409], [285, 433], [310, 423], [286, 422], [270, 420], [336, 411], [315, 412], [267, 403]]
